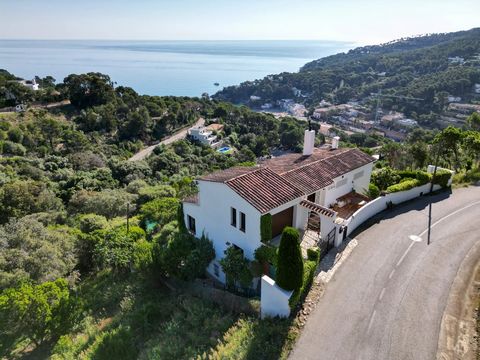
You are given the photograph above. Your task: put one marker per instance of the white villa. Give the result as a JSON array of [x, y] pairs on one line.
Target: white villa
[[314, 190], [202, 135], [31, 84]]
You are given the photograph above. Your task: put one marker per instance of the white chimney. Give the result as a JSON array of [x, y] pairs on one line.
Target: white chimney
[[335, 142], [308, 142]]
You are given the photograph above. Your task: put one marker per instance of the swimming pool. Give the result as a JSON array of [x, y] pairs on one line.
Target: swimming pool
[[224, 149]]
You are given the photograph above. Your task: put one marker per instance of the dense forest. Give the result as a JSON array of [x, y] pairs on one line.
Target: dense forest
[[415, 67]]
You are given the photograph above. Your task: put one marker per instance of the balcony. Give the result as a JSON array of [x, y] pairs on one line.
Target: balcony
[[348, 204]]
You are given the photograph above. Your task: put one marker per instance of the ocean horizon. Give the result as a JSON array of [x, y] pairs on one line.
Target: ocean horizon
[[164, 67]]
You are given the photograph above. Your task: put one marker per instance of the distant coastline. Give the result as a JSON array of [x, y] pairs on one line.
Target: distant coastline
[[179, 68]]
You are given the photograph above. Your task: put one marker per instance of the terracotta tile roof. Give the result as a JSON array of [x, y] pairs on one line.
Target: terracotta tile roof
[[215, 127], [264, 189], [291, 161], [228, 174], [192, 199], [319, 172], [288, 177], [319, 209]]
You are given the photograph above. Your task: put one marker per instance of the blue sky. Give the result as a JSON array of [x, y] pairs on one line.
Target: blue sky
[[361, 21]]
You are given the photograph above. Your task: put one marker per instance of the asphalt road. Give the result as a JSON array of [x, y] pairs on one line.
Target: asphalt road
[[146, 152], [387, 300]]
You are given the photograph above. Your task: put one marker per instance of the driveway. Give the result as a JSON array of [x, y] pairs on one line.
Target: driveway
[[181, 134], [388, 298]]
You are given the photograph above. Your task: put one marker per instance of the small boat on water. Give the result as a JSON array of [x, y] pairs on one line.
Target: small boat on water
[[216, 84]]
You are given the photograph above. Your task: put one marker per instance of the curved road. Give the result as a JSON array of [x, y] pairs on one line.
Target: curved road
[[181, 134], [387, 300]]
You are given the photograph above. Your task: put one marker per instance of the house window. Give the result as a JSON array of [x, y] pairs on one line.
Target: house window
[[216, 270], [341, 183], [358, 175], [233, 217], [191, 224], [242, 221]]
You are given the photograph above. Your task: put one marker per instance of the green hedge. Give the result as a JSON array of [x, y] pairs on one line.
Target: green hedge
[[442, 177], [309, 268], [373, 191], [407, 184], [313, 255], [266, 254], [266, 228], [422, 176]]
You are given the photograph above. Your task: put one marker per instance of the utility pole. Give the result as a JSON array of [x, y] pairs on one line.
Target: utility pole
[[431, 190], [128, 214]]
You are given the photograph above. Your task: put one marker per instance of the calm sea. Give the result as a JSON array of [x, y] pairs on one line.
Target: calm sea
[[186, 68]]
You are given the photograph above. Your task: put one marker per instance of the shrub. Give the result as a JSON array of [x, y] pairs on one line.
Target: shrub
[[403, 186], [181, 218], [266, 228], [442, 177], [309, 273], [290, 262], [179, 254], [12, 148], [116, 248], [36, 311], [91, 222], [373, 191], [142, 255], [267, 254], [149, 193], [115, 344], [385, 177], [197, 261], [109, 203], [161, 211], [422, 176], [236, 267], [313, 255]]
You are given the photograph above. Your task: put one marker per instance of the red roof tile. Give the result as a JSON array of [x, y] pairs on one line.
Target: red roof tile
[[192, 199], [264, 189], [228, 174], [283, 179], [314, 175]]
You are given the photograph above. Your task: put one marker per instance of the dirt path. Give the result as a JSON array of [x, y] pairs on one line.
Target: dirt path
[[181, 134], [457, 338]]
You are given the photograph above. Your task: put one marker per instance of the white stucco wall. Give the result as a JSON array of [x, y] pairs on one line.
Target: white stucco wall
[[431, 169], [380, 204], [274, 299], [212, 216], [360, 185]]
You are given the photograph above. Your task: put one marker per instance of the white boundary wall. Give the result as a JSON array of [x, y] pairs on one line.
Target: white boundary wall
[[379, 204], [274, 299]]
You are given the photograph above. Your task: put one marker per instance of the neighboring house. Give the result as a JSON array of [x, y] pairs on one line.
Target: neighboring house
[[293, 188], [202, 135], [452, 99], [476, 88], [31, 84], [456, 60], [406, 122]]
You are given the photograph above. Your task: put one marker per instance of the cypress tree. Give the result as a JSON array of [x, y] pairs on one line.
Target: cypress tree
[[290, 261]]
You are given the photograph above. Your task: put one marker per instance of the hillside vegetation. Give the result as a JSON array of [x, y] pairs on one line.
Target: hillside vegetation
[[415, 67]]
